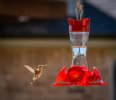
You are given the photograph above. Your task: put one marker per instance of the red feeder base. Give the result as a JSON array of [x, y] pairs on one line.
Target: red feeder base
[[79, 76]]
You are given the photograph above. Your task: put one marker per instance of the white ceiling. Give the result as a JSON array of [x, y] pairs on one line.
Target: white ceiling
[[107, 6]]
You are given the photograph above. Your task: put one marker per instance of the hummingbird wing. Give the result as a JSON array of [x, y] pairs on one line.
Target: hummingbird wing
[[29, 68]]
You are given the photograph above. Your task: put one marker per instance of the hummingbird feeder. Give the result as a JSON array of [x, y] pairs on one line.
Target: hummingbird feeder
[[79, 74]]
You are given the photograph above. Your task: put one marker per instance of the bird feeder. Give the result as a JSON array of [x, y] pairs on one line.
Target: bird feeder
[[79, 74]]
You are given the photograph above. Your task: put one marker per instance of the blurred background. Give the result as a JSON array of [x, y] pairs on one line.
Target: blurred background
[[35, 32]]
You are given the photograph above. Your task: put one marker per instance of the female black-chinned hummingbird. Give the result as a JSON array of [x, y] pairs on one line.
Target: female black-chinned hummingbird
[[36, 71]]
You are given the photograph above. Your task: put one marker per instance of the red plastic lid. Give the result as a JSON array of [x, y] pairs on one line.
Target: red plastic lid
[[82, 25]]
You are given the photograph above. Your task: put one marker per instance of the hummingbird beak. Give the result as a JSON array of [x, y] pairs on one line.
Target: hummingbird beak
[[42, 65]]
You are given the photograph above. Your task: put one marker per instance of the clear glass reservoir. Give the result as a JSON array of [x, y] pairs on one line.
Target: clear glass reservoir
[[78, 42]]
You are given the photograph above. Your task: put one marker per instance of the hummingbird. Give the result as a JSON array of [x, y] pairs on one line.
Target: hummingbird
[[36, 71]]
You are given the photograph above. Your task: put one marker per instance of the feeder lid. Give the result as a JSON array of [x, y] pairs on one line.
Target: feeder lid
[[82, 25]]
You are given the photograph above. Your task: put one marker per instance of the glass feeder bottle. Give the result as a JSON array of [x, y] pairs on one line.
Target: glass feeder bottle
[[79, 35]]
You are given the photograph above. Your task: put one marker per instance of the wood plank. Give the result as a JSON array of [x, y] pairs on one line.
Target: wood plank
[[50, 42], [48, 9]]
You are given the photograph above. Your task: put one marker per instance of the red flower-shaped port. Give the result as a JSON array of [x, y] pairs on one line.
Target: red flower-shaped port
[[80, 76], [75, 74]]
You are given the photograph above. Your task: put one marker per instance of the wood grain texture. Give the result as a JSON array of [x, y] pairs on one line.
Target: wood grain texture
[[33, 9], [15, 79]]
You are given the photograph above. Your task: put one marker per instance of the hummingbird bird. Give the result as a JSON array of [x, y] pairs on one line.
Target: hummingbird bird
[[36, 71]]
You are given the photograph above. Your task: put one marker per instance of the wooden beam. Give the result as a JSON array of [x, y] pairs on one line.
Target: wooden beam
[[51, 9]]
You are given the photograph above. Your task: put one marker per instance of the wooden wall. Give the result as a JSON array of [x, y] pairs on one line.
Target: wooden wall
[[44, 9], [15, 79]]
